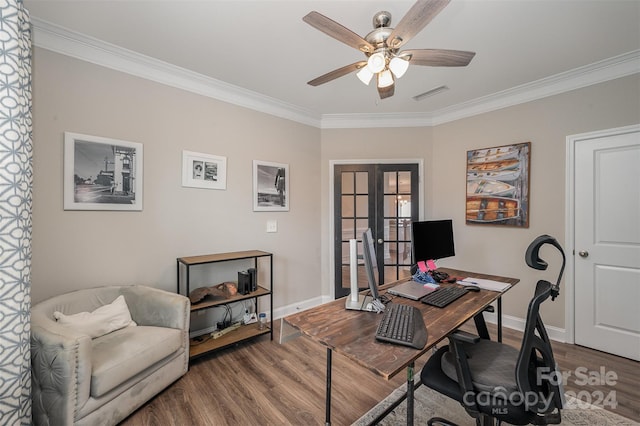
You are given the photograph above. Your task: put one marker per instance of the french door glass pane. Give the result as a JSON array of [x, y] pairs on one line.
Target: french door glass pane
[[347, 183], [404, 206], [348, 207], [362, 205]]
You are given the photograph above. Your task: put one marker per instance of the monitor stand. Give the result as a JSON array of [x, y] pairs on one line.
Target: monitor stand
[[360, 302]]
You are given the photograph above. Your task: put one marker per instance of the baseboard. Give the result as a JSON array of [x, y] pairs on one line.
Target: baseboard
[[300, 306], [555, 333]]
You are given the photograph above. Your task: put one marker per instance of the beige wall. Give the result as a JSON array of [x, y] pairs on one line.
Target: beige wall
[[77, 249], [545, 123]]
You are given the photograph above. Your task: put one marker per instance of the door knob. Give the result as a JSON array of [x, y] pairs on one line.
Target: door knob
[[380, 241], [583, 253]]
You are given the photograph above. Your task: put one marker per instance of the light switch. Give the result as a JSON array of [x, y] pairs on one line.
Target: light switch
[[272, 226]]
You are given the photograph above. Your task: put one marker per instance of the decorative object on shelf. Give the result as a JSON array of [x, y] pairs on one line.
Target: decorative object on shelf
[[270, 186], [204, 170], [224, 290], [101, 173], [498, 185]]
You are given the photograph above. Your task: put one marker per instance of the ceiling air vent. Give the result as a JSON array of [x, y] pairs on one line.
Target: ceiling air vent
[[431, 92]]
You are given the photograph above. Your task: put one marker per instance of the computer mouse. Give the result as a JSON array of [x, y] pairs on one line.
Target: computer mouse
[[472, 288]]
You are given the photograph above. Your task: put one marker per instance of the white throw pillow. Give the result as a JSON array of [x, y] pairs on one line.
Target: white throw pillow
[[103, 320]]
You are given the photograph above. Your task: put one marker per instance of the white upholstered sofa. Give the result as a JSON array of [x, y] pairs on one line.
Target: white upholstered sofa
[[81, 380]]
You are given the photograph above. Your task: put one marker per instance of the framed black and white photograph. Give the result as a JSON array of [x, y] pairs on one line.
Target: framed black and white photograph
[[101, 173], [204, 170], [270, 186]]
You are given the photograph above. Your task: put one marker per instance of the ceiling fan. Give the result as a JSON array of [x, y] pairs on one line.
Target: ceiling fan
[[382, 46]]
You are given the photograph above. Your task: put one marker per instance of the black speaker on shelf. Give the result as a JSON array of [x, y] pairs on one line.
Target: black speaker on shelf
[[253, 278], [244, 282]]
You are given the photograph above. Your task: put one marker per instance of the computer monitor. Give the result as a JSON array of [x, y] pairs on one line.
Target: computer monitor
[[370, 263], [432, 240]]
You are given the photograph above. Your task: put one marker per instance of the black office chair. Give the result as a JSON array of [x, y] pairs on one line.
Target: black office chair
[[495, 382]]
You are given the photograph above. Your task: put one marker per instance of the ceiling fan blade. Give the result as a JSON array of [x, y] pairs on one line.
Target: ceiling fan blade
[[420, 14], [337, 31], [386, 92], [332, 75], [439, 57]]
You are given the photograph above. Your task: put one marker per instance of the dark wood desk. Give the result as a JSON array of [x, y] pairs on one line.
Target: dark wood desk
[[352, 333]]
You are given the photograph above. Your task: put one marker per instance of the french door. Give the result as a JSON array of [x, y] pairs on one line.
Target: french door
[[385, 198]]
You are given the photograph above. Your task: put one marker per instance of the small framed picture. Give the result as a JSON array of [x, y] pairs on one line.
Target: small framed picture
[[204, 170], [270, 186], [101, 173]]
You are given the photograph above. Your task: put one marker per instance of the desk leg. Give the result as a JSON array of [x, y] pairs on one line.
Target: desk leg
[[410, 389], [327, 403], [499, 319]]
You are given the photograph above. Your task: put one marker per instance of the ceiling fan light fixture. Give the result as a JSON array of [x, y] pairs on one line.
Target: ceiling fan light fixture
[[385, 78], [365, 75], [376, 62], [398, 66], [381, 47]]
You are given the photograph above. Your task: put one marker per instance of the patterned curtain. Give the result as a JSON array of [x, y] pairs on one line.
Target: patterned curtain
[[16, 174]]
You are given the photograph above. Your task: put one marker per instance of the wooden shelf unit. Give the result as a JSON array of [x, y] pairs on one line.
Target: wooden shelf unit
[[244, 332]]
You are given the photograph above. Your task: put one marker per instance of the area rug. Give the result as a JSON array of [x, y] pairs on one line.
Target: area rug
[[429, 404]]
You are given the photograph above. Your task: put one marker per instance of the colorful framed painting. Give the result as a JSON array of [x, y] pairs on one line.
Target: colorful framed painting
[[101, 173], [498, 185], [204, 170], [270, 186]]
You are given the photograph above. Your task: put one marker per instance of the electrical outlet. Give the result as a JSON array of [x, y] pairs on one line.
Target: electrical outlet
[[250, 318]]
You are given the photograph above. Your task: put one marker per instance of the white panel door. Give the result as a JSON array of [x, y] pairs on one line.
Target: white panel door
[[607, 243]]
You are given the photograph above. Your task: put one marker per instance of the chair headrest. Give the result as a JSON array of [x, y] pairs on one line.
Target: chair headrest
[[532, 257]]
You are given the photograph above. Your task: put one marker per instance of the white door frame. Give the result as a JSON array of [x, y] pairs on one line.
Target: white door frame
[[569, 287], [332, 164]]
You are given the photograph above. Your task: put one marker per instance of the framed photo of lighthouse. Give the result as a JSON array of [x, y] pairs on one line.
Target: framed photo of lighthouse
[[498, 185], [101, 173]]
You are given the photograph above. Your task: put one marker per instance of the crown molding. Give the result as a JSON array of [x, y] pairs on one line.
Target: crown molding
[[70, 43], [598, 72]]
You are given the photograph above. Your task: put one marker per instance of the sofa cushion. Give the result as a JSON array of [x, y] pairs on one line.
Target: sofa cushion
[[105, 319], [120, 355]]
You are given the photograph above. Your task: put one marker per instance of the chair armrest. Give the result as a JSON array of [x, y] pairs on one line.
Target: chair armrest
[[457, 341], [60, 372], [155, 307], [464, 337], [481, 325]]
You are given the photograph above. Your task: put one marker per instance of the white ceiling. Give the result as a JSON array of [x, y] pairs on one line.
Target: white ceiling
[[265, 47]]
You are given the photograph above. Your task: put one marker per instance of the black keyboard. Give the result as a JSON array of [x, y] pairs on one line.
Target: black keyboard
[[402, 325], [443, 296]]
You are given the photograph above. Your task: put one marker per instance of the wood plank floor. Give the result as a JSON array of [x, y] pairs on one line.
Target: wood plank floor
[[265, 383]]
